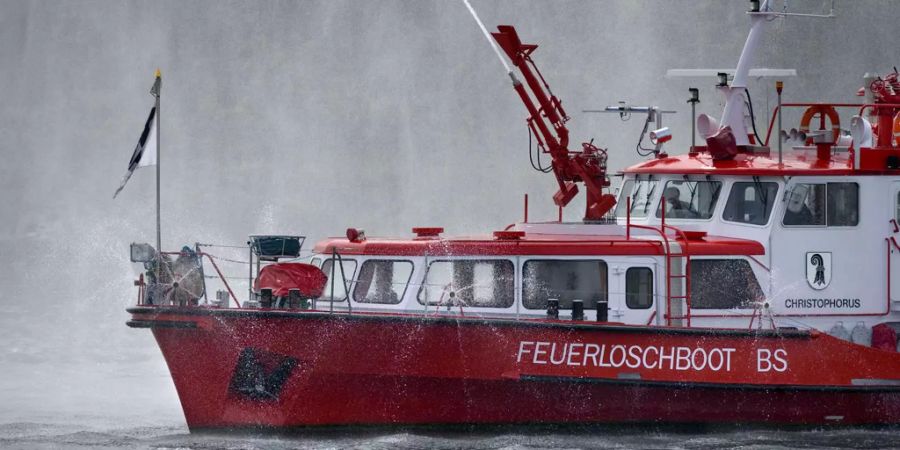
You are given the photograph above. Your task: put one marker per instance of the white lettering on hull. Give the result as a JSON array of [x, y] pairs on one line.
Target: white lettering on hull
[[654, 357], [767, 360]]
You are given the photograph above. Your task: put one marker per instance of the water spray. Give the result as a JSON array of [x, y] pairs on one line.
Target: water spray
[[491, 41]]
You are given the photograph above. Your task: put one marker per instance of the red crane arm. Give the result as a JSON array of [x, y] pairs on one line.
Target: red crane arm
[[587, 166]]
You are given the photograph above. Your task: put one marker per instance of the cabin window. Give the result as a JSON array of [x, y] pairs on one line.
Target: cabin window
[[897, 212], [690, 199], [342, 280], [843, 204], [750, 202], [382, 281], [565, 280], [316, 262], [641, 192], [831, 204], [472, 283], [639, 288], [723, 284]]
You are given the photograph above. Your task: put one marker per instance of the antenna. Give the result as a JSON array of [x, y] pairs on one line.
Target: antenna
[[659, 136]]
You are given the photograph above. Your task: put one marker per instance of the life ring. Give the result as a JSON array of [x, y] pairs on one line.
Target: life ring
[[897, 129], [826, 110]]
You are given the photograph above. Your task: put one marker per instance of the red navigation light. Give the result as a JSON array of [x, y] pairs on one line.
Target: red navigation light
[[354, 235], [510, 235], [427, 232]]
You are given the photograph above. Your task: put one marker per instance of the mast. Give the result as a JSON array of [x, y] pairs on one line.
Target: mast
[[733, 115], [157, 87]]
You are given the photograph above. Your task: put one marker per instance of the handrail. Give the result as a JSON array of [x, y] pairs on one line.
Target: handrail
[[797, 105], [221, 277], [890, 242], [140, 284], [877, 105]]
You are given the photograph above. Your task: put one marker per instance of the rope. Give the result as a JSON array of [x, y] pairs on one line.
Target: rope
[[222, 246], [226, 259]]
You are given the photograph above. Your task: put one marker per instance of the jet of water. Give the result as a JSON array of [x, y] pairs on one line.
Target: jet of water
[[488, 37]]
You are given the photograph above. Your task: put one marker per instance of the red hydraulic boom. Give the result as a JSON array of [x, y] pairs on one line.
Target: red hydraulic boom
[[548, 124]]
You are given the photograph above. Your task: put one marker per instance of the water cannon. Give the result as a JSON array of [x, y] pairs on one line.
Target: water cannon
[[547, 123], [587, 166]]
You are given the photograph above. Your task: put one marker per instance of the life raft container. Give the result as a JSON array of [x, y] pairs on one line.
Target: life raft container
[[281, 278]]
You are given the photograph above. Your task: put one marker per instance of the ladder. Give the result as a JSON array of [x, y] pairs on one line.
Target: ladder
[[678, 275]]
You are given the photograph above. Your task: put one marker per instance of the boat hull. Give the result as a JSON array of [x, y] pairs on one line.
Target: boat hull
[[278, 369]]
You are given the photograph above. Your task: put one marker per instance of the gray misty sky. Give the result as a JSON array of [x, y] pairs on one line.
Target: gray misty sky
[[308, 117]]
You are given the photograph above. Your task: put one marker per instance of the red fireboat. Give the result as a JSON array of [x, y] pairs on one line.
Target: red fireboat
[[742, 281]]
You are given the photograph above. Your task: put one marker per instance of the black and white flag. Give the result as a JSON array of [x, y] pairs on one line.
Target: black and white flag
[[145, 153]]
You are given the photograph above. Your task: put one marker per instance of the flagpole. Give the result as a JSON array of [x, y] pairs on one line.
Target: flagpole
[[158, 86]]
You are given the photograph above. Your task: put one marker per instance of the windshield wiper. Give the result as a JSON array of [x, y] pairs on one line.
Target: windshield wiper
[[649, 196]]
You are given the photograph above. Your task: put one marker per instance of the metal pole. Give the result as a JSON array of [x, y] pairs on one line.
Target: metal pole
[[526, 209], [628, 218], [778, 87], [693, 127], [333, 262], [695, 98], [158, 163], [344, 284]]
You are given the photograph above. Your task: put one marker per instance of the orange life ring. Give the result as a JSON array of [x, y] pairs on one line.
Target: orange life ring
[[897, 129], [825, 110]]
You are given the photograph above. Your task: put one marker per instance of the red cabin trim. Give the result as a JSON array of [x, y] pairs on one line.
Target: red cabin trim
[[561, 245]]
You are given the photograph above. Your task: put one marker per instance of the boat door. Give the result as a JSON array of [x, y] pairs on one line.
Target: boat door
[[634, 291], [893, 242]]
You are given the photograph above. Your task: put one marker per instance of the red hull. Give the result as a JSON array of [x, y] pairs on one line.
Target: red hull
[[286, 369]]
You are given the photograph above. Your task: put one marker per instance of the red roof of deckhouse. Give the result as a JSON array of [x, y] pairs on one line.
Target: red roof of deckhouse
[[536, 244], [794, 163]]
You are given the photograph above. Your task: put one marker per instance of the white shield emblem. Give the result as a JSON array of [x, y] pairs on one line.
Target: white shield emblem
[[818, 269]]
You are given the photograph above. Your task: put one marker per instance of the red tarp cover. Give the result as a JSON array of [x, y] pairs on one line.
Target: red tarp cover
[[283, 277]]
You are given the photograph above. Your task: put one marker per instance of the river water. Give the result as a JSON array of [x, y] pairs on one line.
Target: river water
[[41, 435]]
